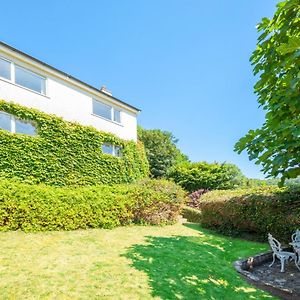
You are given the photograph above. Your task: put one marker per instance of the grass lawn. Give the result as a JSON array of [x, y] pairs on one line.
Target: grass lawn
[[138, 262]]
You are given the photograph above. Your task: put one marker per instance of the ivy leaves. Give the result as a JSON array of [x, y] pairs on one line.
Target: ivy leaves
[[276, 60]]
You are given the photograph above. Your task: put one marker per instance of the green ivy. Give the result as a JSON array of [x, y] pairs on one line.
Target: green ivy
[[66, 153]]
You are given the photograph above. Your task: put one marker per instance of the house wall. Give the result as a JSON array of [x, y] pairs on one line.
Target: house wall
[[67, 98]]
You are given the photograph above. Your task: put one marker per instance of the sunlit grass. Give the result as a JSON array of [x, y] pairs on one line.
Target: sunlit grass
[[138, 262]]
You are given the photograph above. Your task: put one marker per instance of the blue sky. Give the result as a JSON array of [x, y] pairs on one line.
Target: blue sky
[[184, 63]]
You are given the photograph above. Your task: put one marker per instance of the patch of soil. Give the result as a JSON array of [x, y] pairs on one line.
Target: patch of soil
[[257, 271]]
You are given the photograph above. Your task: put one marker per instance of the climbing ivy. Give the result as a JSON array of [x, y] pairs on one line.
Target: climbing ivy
[[66, 153]]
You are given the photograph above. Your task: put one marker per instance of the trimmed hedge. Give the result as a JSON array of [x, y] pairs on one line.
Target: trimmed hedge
[[41, 207], [66, 153], [257, 211]]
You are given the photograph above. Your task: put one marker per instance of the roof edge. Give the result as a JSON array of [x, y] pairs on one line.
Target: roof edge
[[67, 75]]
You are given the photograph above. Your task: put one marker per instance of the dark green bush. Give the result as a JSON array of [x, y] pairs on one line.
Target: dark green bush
[[66, 153], [41, 207], [203, 175], [257, 211]]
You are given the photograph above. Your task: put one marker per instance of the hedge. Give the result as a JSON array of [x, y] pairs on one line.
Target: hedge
[[65, 153], [257, 211], [41, 207]]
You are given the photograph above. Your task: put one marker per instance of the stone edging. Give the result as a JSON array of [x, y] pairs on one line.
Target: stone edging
[[244, 267]]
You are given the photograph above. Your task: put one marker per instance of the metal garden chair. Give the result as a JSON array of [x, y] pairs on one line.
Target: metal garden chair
[[283, 256], [296, 244]]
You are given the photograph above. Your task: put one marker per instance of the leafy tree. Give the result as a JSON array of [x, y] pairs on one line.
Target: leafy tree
[[202, 175], [161, 151], [276, 145]]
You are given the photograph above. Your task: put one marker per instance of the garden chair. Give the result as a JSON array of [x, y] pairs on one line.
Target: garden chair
[[283, 256], [296, 244]]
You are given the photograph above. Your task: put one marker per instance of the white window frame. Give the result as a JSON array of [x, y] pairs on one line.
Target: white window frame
[[112, 112], [113, 150], [11, 69], [13, 76], [13, 124]]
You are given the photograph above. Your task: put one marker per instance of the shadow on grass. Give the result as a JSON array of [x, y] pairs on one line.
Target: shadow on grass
[[195, 267]]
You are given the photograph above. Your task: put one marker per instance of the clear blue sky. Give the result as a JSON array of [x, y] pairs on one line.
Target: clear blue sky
[[185, 63]]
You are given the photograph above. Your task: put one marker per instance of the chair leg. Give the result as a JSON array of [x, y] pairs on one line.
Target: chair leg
[[273, 260], [282, 260], [297, 263]]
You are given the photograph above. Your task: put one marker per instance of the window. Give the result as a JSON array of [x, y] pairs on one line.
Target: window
[[107, 149], [5, 69], [25, 128], [11, 123], [118, 150], [5, 122], [117, 115], [21, 76], [101, 109], [30, 80], [112, 150], [106, 111]]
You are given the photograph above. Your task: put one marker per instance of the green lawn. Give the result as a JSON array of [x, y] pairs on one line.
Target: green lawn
[[138, 262]]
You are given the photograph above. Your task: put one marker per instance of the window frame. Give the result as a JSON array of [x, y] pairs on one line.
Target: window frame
[[11, 69], [113, 150], [13, 126], [112, 112], [12, 79]]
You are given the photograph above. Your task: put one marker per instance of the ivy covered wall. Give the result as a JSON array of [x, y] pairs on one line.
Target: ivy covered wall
[[65, 153]]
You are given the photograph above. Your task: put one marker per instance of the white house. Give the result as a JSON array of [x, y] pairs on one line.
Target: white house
[[28, 81]]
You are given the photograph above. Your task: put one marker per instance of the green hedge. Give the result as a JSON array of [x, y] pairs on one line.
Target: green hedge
[[41, 207], [66, 153], [257, 211], [191, 214]]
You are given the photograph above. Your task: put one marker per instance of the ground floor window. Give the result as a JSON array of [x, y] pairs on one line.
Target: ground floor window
[[15, 125]]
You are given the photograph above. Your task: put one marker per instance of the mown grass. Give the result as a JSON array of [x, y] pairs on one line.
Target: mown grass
[[138, 262]]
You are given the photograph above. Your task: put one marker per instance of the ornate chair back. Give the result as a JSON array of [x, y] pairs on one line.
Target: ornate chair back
[[275, 244], [296, 236]]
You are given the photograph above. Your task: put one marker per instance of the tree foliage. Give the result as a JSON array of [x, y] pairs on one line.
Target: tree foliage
[[161, 151], [202, 175], [276, 145]]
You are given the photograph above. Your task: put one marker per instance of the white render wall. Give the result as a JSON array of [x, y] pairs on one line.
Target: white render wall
[[66, 98]]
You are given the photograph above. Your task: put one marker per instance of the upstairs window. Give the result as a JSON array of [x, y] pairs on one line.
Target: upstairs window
[[117, 115], [112, 150], [11, 123], [5, 69], [30, 80], [106, 111], [22, 76], [102, 110]]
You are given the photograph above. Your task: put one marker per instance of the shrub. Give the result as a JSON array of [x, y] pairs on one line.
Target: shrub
[[40, 207], [65, 153], [257, 211], [191, 214], [194, 198], [202, 175]]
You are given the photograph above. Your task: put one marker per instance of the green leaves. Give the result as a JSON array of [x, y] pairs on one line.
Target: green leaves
[[276, 145], [202, 175], [66, 153], [40, 207], [292, 45], [161, 151]]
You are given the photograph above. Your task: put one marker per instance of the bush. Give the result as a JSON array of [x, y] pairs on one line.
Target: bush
[[41, 207], [194, 198], [191, 214], [65, 153], [202, 175], [257, 211]]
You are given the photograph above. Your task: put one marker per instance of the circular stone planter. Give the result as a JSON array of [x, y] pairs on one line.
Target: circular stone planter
[[256, 271]]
